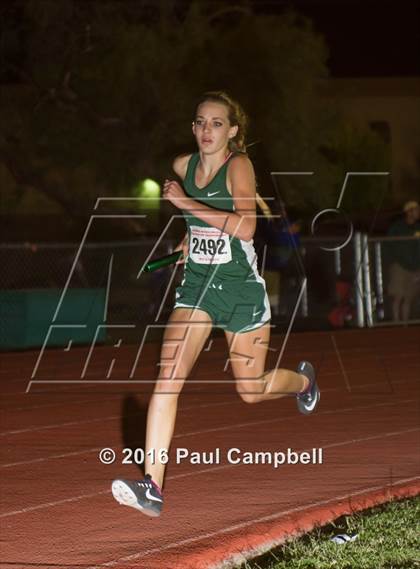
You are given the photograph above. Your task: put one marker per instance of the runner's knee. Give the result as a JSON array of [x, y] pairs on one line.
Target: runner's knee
[[249, 391]]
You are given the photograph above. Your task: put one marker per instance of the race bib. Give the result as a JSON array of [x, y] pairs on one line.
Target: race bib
[[209, 245]]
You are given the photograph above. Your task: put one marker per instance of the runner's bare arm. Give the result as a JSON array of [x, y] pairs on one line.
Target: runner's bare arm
[[179, 166]]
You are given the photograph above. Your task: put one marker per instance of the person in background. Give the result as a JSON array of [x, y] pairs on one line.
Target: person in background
[[404, 256], [282, 237]]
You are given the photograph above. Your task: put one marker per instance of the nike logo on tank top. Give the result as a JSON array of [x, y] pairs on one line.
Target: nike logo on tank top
[[212, 252]]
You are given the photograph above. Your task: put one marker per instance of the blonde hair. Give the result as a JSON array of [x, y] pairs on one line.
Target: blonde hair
[[236, 116]]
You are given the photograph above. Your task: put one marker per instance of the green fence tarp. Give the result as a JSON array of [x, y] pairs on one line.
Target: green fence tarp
[[26, 316]]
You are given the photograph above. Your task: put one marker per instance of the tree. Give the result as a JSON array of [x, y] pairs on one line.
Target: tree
[[105, 96]]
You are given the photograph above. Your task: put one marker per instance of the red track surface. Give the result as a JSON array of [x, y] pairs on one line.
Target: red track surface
[[57, 508]]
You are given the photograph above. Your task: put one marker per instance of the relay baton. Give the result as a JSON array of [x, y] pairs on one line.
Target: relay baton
[[163, 262]]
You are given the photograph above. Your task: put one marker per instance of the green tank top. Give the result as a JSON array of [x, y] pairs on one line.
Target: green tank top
[[214, 254]]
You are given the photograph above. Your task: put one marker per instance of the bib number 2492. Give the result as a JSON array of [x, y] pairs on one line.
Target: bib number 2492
[[209, 245]]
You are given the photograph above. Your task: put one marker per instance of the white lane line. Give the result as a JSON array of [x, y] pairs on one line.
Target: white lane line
[[340, 361], [271, 517], [60, 404], [350, 352], [192, 473], [108, 418], [103, 358], [327, 352], [215, 429], [236, 400], [295, 417], [86, 383]]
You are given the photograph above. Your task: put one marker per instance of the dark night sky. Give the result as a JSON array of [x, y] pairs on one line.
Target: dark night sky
[[365, 37]]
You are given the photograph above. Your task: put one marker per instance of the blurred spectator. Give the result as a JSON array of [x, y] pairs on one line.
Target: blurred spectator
[[404, 256], [282, 237], [343, 313]]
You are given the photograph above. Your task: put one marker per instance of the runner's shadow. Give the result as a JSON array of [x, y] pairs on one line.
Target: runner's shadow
[[133, 429]]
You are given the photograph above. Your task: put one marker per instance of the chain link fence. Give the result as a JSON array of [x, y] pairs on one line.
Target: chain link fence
[[388, 285], [110, 270], [334, 287]]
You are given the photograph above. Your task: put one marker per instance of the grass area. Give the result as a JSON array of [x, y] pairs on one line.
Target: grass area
[[388, 538]]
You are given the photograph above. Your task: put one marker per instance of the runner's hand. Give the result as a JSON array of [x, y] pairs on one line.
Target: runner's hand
[[173, 192], [182, 246]]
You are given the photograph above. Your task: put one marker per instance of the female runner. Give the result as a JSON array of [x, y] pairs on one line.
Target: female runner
[[221, 287]]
